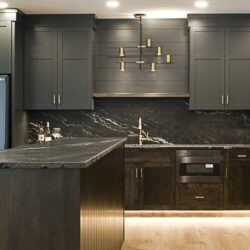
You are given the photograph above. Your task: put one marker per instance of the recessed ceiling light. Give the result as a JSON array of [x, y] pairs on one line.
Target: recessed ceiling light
[[112, 4], [201, 4], [3, 5]]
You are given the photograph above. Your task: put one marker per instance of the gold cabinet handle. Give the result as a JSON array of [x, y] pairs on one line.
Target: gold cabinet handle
[[59, 99], [227, 99], [136, 173], [199, 197], [141, 173], [242, 156], [54, 99], [226, 174], [222, 99]]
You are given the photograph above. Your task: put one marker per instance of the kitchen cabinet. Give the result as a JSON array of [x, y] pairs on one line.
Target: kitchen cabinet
[[199, 196], [237, 65], [41, 68], [219, 63], [207, 68], [58, 67], [237, 183], [5, 47], [149, 179]]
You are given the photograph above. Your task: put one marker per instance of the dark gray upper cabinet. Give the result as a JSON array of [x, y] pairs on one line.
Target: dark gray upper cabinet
[[58, 64], [219, 62], [207, 68], [237, 68], [5, 47], [74, 80], [41, 68]]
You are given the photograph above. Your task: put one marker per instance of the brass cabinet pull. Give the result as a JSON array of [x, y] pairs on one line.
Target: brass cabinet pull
[[199, 197], [141, 173], [54, 99], [136, 173], [242, 156], [222, 99], [59, 99], [227, 99], [226, 174]]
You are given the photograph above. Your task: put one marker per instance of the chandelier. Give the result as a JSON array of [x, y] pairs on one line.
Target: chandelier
[[152, 57]]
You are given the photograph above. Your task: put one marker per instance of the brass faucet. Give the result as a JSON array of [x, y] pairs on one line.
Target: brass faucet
[[142, 135]]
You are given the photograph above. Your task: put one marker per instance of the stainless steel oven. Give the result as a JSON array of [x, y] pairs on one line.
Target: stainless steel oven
[[199, 165]]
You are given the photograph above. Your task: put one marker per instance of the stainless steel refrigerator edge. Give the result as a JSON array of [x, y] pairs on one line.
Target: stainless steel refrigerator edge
[[4, 112]]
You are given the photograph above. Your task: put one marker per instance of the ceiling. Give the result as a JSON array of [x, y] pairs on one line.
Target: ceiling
[[153, 8]]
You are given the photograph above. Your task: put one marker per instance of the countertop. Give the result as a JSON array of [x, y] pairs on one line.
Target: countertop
[[62, 153], [188, 146]]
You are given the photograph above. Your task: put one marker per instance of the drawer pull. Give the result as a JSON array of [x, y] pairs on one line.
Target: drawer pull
[[242, 156], [136, 173], [199, 197]]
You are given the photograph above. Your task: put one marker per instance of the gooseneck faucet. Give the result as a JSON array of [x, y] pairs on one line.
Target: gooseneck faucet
[[142, 135]]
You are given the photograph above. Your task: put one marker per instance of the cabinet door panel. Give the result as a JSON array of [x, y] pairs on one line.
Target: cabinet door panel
[[131, 188], [157, 188], [40, 68], [5, 47], [207, 68], [74, 74], [237, 67], [238, 185]]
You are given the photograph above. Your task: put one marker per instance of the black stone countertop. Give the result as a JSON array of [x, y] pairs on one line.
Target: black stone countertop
[[188, 146], [63, 153]]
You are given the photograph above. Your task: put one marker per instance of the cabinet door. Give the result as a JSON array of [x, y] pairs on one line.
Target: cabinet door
[[238, 185], [206, 68], [74, 68], [41, 68], [5, 47], [157, 188], [131, 188], [237, 65]]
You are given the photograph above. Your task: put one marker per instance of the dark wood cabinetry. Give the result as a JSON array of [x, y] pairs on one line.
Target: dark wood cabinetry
[[58, 64], [149, 179], [237, 185], [152, 183], [199, 196]]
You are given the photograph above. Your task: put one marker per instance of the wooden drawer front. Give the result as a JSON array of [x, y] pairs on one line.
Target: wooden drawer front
[[150, 157], [195, 196], [239, 154], [135, 155]]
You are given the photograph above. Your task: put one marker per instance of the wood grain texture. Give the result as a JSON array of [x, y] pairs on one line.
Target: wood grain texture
[[64, 208], [191, 233]]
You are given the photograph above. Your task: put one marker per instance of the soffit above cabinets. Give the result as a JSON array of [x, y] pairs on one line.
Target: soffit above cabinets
[[156, 8]]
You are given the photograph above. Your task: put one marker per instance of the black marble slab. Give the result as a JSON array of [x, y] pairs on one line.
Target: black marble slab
[[166, 120], [63, 153]]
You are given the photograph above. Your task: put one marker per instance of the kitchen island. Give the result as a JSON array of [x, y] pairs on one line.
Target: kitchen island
[[64, 195]]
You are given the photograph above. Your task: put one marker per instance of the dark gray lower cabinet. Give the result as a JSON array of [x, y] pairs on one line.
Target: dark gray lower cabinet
[[58, 67]]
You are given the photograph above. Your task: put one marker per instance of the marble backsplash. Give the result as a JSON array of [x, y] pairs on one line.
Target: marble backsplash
[[166, 120]]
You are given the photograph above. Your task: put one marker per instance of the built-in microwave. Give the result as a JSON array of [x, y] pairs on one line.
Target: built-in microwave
[[199, 165]]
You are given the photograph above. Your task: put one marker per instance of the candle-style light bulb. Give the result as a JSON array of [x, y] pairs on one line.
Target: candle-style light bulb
[[122, 66], [149, 43], [159, 51], [153, 67]]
